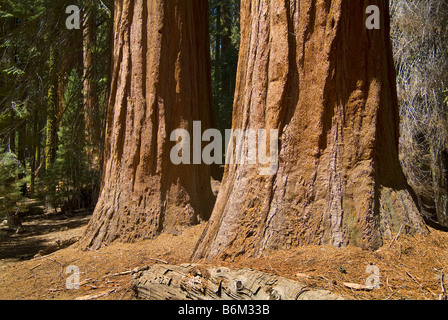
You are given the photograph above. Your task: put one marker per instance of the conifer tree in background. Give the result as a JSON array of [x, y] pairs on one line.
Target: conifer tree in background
[[224, 42], [41, 65]]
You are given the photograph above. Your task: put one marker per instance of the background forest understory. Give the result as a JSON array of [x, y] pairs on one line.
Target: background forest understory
[[54, 89], [55, 82]]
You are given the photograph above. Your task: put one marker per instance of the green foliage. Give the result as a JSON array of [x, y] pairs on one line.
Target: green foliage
[[71, 176], [224, 41], [72, 167], [41, 67], [41, 59], [10, 185], [13, 70], [5, 15]]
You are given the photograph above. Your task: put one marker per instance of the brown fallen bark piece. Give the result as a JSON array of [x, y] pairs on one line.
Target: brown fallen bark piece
[[195, 282], [356, 286], [302, 276]]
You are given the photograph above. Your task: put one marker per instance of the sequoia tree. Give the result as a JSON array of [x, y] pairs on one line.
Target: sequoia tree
[[312, 70], [160, 83]]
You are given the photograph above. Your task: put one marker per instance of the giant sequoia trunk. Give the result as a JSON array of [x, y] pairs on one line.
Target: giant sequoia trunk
[[312, 70], [160, 82]]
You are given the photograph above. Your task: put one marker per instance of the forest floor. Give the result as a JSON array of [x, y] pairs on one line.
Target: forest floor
[[411, 267]]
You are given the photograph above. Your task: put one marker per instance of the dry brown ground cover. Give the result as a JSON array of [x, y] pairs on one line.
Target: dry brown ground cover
[[410, 267]]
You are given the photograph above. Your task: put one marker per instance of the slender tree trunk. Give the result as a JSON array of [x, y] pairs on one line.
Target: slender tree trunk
[[12, 134], [52, 109], [312, 70], [160, 82], [21, 145], [91, 105], [225, 73], [34, 150], [51, 138], [218, 33]]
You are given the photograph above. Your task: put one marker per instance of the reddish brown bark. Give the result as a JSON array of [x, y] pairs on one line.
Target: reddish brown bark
[[160, 82], [312, 70]]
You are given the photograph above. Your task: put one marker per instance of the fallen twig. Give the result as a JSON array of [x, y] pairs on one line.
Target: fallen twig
[[413, 278], [36, 266], [136, 270], [96, 296], [158, 260], [418, 282], [393, 293], [43, 257], [324, 278], [97, 251], [85, 281], [398, 235], [118, 274]]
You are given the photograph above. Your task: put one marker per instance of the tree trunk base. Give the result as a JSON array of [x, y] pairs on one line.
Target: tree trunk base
[[195, 282], [14, 222]]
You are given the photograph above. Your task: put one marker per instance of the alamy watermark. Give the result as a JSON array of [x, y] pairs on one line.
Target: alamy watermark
[[74, 19], [243, 147], [373, 281], [73, 280], [373, 20]]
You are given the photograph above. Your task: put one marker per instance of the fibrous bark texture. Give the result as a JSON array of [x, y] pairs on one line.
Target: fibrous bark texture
[[312, 70], [160, 83]]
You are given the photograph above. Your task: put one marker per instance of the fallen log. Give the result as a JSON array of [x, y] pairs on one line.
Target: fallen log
[[195, 282]]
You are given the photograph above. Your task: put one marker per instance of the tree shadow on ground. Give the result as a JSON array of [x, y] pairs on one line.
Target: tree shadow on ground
[[41, 233]]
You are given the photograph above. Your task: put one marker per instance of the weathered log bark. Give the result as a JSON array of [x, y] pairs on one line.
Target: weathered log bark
[[160, 83], [312, 70], [193, 282]]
